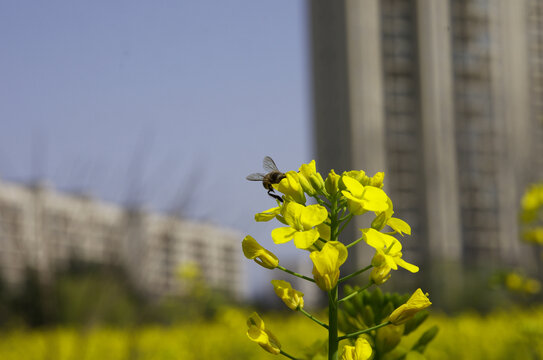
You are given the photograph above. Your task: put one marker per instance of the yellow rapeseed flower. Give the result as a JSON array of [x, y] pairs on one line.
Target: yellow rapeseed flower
[[360, 351], [291, 297], [389, 248], [291, 187], [302, 221], [254, 251], [257, 332], [417, 302], [326, 263], [361, 199]]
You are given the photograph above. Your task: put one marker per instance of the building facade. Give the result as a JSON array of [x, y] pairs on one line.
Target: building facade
[[445, 96], [43, 230]]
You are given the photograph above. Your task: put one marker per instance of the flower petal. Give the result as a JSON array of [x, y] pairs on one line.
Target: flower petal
[[283, 234], [313, 215], [304, 239], [399, 226], [353, 186]]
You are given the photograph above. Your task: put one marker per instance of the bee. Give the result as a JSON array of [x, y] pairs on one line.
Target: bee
[[273, 176]]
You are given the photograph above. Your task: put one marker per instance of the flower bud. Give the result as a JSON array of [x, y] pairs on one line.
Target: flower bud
[[331, 183], [291, 297], [377, 180], [360, 351], [326, 264], [257, 332], [387, 338], [291, 187], [310, 179], [417, 302], [254, 251]]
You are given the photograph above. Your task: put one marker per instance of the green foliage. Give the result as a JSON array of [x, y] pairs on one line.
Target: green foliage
[[368, 309]]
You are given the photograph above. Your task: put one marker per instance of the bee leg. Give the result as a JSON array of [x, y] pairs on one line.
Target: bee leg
[[277, 197]]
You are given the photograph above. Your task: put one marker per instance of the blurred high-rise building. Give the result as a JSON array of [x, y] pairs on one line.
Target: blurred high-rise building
[[44, 230], [445, 96]]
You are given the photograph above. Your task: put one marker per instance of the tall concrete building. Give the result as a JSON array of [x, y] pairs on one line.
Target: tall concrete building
[[42, 229], [445, 96]]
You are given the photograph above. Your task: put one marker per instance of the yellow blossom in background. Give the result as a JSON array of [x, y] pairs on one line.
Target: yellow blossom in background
[[363, 198], [257, 332], [331, 184], [254, 251], [522, 284], [389, 248], [534, 235], [310, 179], [302, 221], [291, 187], [417, 302], [291, 297], [326, 263], [360, 351], [189, 271]]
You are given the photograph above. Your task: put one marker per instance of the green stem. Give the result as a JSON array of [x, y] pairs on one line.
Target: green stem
[[313, 318], [354, 293], [354, 242], [348, 219], [351, 335], [355, 273], [333, 340], [322, 202], [287, 355], [295, 274]]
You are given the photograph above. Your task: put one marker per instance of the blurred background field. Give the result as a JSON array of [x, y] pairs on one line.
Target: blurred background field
[[512, 333]]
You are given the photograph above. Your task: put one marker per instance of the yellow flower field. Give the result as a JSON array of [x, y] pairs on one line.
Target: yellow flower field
[[503, 334]]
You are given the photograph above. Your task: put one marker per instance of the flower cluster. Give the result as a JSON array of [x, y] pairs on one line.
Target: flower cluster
[[313, 212]]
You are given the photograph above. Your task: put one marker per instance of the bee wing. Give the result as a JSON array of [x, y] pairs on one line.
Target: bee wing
[[256, 177], [269, 164]]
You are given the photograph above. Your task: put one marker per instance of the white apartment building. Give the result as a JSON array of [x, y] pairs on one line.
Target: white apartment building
[[42, 229]]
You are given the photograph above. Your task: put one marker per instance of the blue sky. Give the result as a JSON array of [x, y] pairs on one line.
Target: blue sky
[[156, 101]]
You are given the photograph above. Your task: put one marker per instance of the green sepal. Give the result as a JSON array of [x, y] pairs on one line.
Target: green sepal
[[380, 221]]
